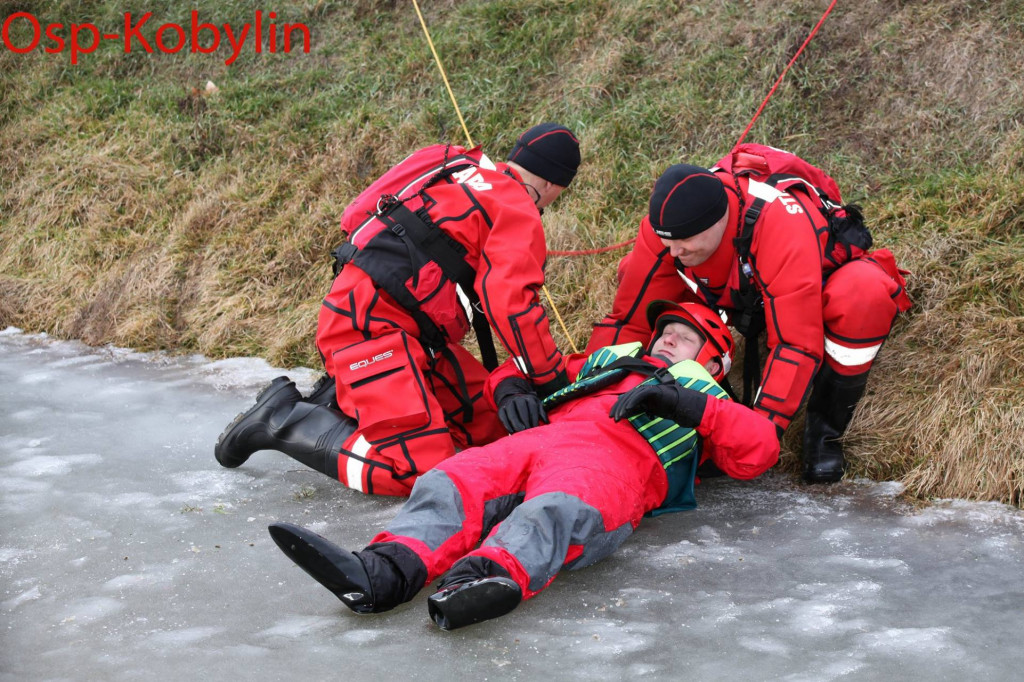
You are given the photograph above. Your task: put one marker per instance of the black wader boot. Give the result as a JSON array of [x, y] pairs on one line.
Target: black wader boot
[[311, 434], [323, 392], [377, 579], [474, 590], [829, 411]]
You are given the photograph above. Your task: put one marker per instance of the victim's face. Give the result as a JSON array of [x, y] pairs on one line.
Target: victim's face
[[678, 342]]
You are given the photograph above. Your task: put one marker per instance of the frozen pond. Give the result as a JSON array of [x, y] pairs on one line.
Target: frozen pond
[[128, 553]]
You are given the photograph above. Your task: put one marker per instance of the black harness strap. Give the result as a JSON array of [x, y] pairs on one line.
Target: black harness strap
[[748, 300], [450, 255], [417, 232]]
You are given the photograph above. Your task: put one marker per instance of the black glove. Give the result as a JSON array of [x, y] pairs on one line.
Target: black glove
[[671, 401], [519, 406]]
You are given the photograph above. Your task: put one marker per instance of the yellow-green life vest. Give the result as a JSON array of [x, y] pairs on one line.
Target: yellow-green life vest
[[678, 447]]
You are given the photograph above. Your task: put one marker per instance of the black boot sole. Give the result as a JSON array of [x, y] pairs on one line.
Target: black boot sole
[[226, 451], [474, 602], [829, 476], [338, 570]]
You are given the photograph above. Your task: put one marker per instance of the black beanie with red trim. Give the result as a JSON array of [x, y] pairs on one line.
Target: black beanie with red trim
[[549, 151], [686, 201]]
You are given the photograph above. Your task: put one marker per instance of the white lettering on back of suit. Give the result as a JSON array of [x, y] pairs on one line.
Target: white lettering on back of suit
[[369, 361], [471, 177]]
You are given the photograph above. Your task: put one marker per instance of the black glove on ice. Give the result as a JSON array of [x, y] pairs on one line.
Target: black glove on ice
[[519, 407], [684, 406]]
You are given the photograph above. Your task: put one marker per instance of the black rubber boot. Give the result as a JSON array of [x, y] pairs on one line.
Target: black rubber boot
[[323, 392], [311, 434], [482, 599], [476, 589], [377, 579], [341, 572], [829, 411]]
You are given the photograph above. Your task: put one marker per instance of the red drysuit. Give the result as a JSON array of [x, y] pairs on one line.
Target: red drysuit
[[813, 309], [566, 493], [416, 400]]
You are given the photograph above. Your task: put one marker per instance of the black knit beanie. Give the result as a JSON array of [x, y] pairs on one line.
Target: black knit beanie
[[686, 201], [549, 151]]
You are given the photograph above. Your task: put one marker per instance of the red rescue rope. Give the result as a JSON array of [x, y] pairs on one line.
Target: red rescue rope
[[590, 252], [782, 75]]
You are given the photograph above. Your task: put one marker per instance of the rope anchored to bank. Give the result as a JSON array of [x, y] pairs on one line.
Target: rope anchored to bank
[[444, 77]]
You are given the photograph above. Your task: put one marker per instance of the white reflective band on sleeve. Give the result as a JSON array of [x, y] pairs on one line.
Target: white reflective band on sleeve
[[763, 191], [353, 467], [520, 364], [850, 357], [464, 300], [487, 163], [689, 282]]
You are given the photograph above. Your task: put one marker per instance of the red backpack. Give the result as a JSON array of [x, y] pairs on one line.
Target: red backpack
[[406, 179], [848, 237]]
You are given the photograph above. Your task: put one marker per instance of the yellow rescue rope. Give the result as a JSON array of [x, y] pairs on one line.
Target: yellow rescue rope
[[469, 139]]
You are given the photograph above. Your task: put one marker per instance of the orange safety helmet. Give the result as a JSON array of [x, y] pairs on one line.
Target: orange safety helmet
[[702, 319]]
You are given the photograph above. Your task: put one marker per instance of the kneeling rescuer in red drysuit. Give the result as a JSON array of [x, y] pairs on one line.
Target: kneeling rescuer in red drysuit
[[444, 241], [758, 245], [623, 440]]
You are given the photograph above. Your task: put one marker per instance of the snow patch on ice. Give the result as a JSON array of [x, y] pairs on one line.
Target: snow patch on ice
[[183, 637], [830, 671], [29, 414], [134, 500], [764, 645], [298, 627], [918, 641], [979, 513], [210, 483], [814, 618], [879, 488], [601, 639], [868, 564], [51, 465], [73, 361], [233, 373], [24, 485], [26, 596], [158, 577], [838, 538], [92, 609], [362, 636]]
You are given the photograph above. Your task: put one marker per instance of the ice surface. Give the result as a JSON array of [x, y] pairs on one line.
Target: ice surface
[[128, 553]]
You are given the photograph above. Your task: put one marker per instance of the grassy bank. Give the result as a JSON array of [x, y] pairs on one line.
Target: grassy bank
[[140, 209]]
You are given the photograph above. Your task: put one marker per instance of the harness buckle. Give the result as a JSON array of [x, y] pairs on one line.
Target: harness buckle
[[664, 376]]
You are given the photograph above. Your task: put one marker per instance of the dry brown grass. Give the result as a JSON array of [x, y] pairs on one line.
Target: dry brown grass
[[135, 211]]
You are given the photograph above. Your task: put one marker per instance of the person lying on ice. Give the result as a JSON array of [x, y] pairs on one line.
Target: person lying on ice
[[622, 441]]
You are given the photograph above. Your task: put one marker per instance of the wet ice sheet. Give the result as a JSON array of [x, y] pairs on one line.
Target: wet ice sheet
[[127, 553]]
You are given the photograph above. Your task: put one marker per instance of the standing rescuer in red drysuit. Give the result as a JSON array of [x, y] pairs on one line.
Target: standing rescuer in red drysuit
[[623, 440], [444, 241], [816, 289]]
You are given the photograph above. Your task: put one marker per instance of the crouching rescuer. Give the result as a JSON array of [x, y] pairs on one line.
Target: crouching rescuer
[[582, 467], [764, 237], [445, 241]]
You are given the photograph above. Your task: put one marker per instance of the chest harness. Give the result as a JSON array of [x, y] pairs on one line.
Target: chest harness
[[677, 447], [847, 236], [397, 254]]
